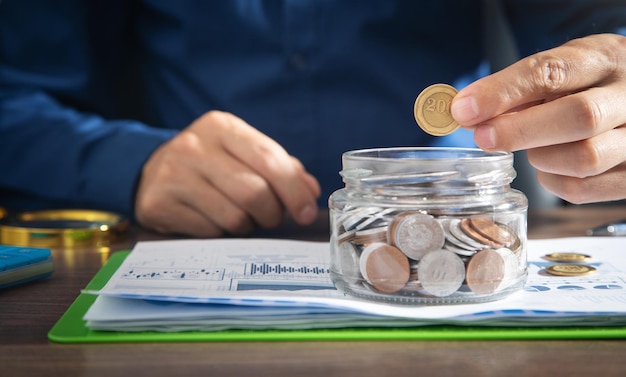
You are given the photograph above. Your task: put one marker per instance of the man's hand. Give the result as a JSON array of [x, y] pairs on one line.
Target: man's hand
[[567, 108], [220, 175]]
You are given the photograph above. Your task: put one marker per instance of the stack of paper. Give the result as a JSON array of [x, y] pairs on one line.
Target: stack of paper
[[211, 285]]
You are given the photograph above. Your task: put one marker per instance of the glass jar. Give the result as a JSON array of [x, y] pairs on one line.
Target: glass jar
[[428, 226]]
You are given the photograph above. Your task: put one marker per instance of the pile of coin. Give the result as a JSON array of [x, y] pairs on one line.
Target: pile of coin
[[569, 264], [391, 251]]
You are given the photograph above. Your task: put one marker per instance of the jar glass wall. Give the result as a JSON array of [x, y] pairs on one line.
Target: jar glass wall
[[428, 226]]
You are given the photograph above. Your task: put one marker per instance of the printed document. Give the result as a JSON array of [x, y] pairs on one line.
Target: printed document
[[211, 285]]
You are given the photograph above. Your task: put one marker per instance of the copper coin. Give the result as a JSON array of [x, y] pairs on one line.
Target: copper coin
[[477, 236], [367, 236], [457, 234], [416, 234], [496, 232], [432, 110], [441, 273], [485, 271], [385, 267], [346, 237]]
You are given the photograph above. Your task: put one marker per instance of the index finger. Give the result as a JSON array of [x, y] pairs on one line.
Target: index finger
[[576, 65]]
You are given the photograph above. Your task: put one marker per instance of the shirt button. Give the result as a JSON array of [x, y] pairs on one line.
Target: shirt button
[[298, 62]]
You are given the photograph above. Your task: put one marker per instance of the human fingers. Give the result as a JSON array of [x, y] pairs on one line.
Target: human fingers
[[608, 186], [581, 159], [567, 119], [171, 200], [574, 66], [242, 186], [288, 180], [310, 180]]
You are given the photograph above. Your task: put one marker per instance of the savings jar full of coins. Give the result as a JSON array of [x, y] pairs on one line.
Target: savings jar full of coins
[[428, 226]]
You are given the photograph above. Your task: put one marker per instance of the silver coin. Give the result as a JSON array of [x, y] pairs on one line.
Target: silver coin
[[446, 224], [351, 219], [457, 232], [349, 267], [441, 273], [458, 250], [511, 267], [416, 234], [377, 218]]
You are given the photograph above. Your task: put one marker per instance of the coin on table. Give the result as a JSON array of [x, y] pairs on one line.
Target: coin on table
[[441, 273], [432, 110], [485, 271], [567, 257], [570, 270]]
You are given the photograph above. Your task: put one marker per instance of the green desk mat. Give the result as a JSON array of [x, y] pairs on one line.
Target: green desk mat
[[70, 328]]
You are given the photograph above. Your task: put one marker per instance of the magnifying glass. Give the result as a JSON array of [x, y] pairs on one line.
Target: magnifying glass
[[62, 228]]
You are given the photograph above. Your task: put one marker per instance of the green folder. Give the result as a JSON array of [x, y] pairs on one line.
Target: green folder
[[71, 328]]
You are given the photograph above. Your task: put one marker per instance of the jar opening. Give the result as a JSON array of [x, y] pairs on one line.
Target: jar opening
[[416, 166]]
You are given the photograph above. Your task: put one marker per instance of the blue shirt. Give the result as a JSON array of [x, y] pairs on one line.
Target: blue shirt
[[89, 89]]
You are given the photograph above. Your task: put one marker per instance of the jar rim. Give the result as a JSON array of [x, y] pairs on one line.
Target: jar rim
[[426, 153], [426, 165]]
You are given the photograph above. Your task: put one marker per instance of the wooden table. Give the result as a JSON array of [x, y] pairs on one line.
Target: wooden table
[[27, 313]]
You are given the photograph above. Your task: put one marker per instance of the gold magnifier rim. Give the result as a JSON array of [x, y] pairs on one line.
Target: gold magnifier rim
[[103, 228]]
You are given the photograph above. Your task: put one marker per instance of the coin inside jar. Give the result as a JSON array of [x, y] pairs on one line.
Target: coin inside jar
[[432, 110], [488, 232], [416, 234], [349, 262], [385, 267], [485, 271], [441, 273], [511, 265]]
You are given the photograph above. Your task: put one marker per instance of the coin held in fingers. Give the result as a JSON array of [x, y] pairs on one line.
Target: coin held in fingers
[[432, 110]]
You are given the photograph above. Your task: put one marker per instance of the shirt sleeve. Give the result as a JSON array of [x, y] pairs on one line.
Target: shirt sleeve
[[62, 141], [51, 151]]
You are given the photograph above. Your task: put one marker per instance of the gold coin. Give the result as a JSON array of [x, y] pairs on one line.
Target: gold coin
[[432, 110], [570, 270], [567, 257]]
